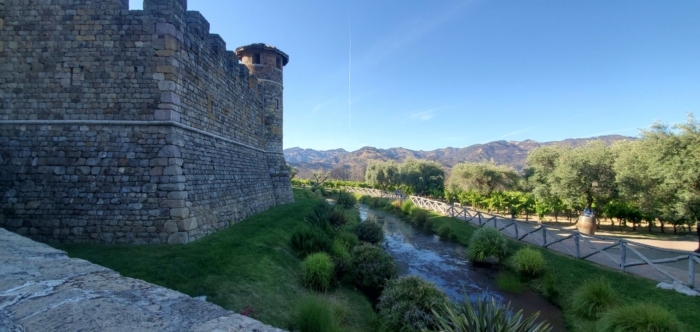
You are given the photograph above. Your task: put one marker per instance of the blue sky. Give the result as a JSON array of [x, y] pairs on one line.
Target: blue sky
[[435, 74]]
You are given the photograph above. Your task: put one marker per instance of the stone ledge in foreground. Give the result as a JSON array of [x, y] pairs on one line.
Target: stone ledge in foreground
[[42, 289]]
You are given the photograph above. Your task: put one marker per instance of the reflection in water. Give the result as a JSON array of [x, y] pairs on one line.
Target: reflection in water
[[445, 264]]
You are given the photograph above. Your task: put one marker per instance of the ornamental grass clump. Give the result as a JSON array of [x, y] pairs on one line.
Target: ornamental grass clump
[[316, 315], [486, 316], [487, 242], [372, 267], [341, 255], [592, 298], [419, 216], [346, 200], [369, 231], [406, 303], [309, 240], [406, 207], [446, 233], [528, 262], [317, 271], [337, 218], [638, 317]]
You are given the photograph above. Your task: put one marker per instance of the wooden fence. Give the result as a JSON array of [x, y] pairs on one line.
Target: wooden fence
[[613, 252]]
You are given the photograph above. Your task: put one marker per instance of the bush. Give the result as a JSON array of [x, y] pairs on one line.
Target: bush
[[316, 316], [341, 254], [366, 199], [419, 216], [319, 193], [309, 240], [369, 231], [320, 216], [372, 267], [593, 298], [307, 194], [396, 206], [406, 207], [487, 316], [428, 226], [346, 200], [528, 262], [338, 218], [509, 282], [446, 233], [350, 240], [406, 303], [317, 271], [638, 317], [487, 242]]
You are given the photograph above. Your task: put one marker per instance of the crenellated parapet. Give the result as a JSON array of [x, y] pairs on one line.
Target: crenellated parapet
[[132, 126]]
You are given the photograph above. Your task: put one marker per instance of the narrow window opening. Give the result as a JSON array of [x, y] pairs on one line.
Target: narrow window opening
[[278, 63], [256, 58]]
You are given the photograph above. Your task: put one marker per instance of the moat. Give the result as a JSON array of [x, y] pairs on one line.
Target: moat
[[445, 264]]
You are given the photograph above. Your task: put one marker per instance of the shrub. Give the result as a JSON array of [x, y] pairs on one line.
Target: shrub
[[592, 298], [405, 305], [487, 242], [372, 267], [369, 231], [307, 194], [419, 216], [350, 240], [319, 193], [309, 240], [338, 218], [316, 316], [487, 316], [642, 317], [396, 206], [446, 233], [528, 262], [320, 217], [509, 282], [406, 207], [341, 254], [317, 271], [366, 199], [346, 200]]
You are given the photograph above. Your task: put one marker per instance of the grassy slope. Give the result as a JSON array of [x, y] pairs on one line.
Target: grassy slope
[[570, 273], [248, 264]]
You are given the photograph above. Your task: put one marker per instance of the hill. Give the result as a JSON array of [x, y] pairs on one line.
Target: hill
[[510, 153]]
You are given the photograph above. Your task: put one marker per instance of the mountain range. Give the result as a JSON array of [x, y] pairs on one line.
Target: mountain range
[[351, 165]]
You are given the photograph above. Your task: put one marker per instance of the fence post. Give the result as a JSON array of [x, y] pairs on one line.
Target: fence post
[[623, 255], [578, 252], [516, 230], [544, 236], [691, 271]]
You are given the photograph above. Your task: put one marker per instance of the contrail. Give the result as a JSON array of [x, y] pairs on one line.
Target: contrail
[[349, 75]]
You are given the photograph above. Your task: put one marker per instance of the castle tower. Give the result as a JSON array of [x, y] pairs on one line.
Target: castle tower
[[265, 63]]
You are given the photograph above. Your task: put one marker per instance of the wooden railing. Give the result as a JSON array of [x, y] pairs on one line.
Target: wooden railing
[[570, 242]]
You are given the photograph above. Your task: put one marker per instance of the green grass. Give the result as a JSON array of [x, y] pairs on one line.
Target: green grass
[[567, 273], [509, 282], [248, 264]]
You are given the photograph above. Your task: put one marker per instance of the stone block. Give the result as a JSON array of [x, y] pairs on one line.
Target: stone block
[[175, 139], [178, 238], [178, 195], [166, 115], [171, 186], [172, 170], [169, 29], [180, 213], [169, 151], [170, 98], [158, 162], [170, 227], [172, 203], [187, 224], [167, 86]]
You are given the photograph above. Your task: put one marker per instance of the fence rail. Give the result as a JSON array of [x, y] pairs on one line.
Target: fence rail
[[627, 256]]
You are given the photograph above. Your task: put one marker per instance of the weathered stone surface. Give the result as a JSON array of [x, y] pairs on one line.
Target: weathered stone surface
[[120, 121], [41, 289]]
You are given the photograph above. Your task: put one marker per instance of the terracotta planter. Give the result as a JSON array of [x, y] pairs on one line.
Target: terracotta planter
[[586, 225]]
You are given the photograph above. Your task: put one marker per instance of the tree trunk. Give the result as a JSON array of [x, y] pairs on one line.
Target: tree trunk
[[634, 227], [649, 223], [662, 226]]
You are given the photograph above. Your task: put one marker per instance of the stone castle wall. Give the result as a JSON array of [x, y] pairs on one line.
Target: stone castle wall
[[128, 126]]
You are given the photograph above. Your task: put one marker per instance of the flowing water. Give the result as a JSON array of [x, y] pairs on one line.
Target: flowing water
[[445, 264]]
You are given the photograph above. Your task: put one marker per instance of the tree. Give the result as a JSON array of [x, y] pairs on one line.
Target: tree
[[585, 175], [382, 173], [320, 176], [293, 171], [483, 177], [420, 175], [339, 172]]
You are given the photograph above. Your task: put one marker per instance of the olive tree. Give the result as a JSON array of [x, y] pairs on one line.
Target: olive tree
[[422, 176], [382, 173]]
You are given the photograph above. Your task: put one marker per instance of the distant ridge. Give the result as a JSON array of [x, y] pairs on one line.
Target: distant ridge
[[511, 153]]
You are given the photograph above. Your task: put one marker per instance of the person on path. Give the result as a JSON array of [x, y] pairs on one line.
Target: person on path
[[587, 211]]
